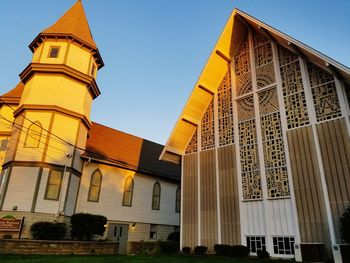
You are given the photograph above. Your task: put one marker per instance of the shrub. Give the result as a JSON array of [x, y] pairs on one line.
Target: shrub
[[200, 250], [239, 251], [144, 247], [7, 236], [85, 226], [222, 250], [48, 231], [168, 247], [345, 225], [174, 236], [186, 250], [263, 254]]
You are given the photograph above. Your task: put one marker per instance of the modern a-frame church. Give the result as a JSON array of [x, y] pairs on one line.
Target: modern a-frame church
[[264, 144], [57, 162]]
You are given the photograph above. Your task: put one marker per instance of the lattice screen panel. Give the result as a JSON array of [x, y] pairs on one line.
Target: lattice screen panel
[[293, 90], [324, 93], [192, 145], [251, 185], [251, 180], [207, 131], [225, 111], [243, 69], [273, 147]]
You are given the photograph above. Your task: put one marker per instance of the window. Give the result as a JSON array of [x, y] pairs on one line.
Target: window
[[33, 135], [283, 245], [178, 200], [53, 186], [128, 191], [153, 232], [95, 186], [53, 52], [156, 196], [256, 243]]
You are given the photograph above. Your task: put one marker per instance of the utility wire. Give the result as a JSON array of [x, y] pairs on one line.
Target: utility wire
[[109, 159]]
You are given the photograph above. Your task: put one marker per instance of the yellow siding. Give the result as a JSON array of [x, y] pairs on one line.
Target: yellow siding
[[7, 118], [190, 201], [307, 186], [335, 150], [32, 154], [44, 56], [65, 128], [208, 195], [78, 58], [57, 90], [229, 197]]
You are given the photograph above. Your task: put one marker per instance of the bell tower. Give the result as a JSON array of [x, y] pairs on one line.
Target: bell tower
[[42, 166]]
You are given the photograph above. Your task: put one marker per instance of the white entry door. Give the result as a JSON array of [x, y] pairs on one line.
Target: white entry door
[[119, 233]]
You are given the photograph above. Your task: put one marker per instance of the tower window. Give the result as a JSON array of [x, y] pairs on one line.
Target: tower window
[[53, 186], [33, 135], [178, 200], [53, 52]]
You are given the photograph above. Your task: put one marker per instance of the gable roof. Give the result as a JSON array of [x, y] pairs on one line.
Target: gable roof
[[74, 24], [216, 67], [14, 95], [113, 147]]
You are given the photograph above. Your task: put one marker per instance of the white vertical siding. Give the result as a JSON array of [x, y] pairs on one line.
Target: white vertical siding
[[21, 187], [280, 211], [253, 214]]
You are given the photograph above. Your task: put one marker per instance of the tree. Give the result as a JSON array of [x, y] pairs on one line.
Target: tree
[[345, 225], [85, 226]]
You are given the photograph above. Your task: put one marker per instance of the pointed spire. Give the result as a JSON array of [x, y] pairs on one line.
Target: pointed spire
[[73, 22], [73, 25]]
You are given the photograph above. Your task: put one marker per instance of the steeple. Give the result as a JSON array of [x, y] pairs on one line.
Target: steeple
[[72, 25]]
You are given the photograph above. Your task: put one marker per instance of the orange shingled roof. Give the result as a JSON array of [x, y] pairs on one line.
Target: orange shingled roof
[[128, 151], [73, 22], [14, 95]]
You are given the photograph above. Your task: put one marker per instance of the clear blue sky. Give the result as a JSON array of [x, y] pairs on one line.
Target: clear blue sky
[[154, 50]]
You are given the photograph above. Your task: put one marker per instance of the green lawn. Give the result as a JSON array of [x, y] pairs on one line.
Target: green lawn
[[128, 259]]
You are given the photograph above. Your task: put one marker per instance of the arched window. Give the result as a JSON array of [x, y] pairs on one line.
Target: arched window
[[178, 200], [156, 196], [95, 186], [128, 191], [33, 135]]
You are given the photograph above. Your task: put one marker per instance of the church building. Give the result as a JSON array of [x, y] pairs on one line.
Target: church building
[[264, 145], [57, 162]]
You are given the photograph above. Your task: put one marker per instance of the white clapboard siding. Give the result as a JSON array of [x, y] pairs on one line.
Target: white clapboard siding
[[111, 197], [72, 195], [21, 187]]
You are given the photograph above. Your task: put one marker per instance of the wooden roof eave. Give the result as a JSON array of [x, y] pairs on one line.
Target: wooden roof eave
[[94, 50], [207, 83]]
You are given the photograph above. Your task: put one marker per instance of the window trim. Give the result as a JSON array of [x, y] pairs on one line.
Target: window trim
[[153, 196], [50, 51], [178, 199], [97, 171], [131, 191], [59, 188], [38, 124]]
